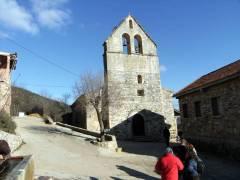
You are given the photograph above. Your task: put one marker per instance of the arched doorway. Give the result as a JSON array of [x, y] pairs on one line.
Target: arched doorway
[[138, 128]]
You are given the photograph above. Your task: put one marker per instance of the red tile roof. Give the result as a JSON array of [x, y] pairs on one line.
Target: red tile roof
[[214, 77]]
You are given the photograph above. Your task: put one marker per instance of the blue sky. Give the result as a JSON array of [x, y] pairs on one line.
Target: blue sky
[[193, 37]]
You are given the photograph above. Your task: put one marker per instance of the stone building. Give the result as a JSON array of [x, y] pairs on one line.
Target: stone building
[[7, 64], [84, 115], [210, 109], [140, 107], [131, 64]]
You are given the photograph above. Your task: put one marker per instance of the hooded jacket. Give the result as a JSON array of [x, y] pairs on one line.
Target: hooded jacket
[[168, 167]]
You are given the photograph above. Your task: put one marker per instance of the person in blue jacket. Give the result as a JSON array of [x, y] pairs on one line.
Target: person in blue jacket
[[191, 171]]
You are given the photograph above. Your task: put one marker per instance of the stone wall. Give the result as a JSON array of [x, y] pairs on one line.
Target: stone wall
[[5, 85], [92, 121], [79, 113], [14, 141], [5, 96], [168, 112], [222, 130], [84, 115]]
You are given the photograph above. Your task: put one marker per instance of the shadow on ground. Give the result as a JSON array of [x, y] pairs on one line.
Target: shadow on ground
[[134, 173], [143, 148], [42, 129], [52, 129]]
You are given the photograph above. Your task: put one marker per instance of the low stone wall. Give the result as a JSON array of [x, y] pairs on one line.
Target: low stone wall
[[14, 141], [110, 143], [78, 129]]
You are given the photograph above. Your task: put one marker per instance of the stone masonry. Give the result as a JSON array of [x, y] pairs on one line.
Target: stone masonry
[[221, 130], [7, 63], [215, 132], [146, 98]]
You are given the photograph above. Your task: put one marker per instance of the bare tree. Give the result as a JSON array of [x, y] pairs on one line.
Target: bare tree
[[65, 98], [92, 87]]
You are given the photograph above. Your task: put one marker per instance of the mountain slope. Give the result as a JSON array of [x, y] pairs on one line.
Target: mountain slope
[[29, 102]]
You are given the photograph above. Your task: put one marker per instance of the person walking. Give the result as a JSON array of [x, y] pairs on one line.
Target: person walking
[[191, 167], [169, 165]]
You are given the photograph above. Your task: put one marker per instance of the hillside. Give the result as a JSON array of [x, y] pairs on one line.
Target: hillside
[[29, 102]]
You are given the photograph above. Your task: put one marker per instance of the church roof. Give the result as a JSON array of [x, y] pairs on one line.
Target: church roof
[[215, 77], [121, 22]]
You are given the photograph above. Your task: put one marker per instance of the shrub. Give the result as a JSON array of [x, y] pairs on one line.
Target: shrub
[[6, 123]]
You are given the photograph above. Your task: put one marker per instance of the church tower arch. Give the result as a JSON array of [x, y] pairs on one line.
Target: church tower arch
[[138, 44], [126, 44]]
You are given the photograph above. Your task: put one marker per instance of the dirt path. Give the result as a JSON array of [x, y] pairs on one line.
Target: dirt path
[[71, 157]]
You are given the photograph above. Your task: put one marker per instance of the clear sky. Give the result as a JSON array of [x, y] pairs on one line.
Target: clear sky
[[193, 37]]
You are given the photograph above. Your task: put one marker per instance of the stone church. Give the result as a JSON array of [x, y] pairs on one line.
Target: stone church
[[141, 108]]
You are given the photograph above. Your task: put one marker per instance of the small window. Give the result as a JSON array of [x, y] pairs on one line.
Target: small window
[[197, 106], [139, 79], [185, 110], [140, 92], [130, 24], [3, 62], [215, 106], [138, 44], [126, 44]]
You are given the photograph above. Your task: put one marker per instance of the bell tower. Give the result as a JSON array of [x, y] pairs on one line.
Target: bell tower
[[131, 64]]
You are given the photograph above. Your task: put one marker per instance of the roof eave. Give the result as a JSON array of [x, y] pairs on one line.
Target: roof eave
[[180, 94]]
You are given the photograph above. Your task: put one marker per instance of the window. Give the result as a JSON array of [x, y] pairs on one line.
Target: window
[[197, 106], [126, 44], [215, 106], [130, 24], [139, 79], [140, 92], [185, 110], [3, 62], [138, 44]]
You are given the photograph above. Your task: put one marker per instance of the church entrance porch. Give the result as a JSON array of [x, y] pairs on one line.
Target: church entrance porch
[[138, 127]]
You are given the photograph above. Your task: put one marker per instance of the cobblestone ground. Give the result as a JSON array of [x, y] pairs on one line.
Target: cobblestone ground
[[64, 157]]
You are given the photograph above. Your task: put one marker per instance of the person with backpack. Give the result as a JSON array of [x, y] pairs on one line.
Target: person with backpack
[[194, 166], [191, 166]]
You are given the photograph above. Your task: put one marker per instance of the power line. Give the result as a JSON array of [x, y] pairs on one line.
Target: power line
[[42, 57], [44, 85]]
